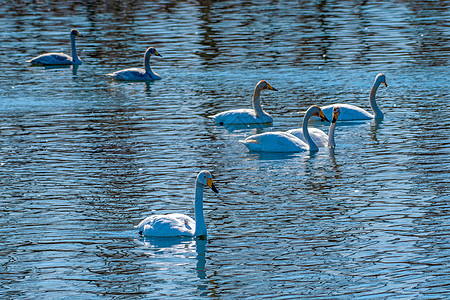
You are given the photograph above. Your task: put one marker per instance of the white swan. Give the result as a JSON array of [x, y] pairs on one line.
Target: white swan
[[247, 116], [176, 224], [55, 59], [352, 112], [136, 74], [320, 138], [283, 141]]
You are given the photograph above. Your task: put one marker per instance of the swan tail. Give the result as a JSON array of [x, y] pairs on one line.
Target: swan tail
[[252, 145], [249, 141]]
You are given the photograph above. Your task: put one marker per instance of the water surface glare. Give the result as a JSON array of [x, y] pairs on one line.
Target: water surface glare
[[83, 158]]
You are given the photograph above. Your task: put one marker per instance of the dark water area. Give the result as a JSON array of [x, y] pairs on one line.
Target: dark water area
[[84, 158]]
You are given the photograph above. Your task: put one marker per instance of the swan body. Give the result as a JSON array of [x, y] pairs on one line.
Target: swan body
[[320, 138], [286, 142], [136, 74], [277, 141], [247, 116], [352, 112], [56, 59], [172, 225]]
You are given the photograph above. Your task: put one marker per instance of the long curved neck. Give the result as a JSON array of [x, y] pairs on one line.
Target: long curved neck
[[256, 102], [74, 48], [331, 143], [147, 67], [378, 114], [309, 141], [200, 225]]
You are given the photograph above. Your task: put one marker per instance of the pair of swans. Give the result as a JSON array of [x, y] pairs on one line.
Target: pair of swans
[[296, 140], [132, 74]]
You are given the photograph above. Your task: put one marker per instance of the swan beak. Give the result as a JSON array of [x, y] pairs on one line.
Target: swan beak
[[384, 83], [271, 87], [322, 116], [157, 53], [335, 117], [80, 35], [211, 185]]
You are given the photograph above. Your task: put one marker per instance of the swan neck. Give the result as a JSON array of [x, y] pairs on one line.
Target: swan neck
[[331, 143], [373, 104], [256, 102], [309, 141], [73, 48], [147, 67], [200, 225]]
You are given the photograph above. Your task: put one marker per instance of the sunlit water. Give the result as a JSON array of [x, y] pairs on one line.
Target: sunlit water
[[83, 159]]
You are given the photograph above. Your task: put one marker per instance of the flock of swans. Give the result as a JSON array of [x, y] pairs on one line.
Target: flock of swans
[[291, 141]]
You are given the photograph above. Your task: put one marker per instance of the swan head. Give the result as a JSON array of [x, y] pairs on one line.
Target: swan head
[[336, 113], [316, 111], [75, 33], [264, 85], [381, 78], [152, 51], [205, 178]]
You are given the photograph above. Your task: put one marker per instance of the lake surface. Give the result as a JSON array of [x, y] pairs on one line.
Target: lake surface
[[83, 158]]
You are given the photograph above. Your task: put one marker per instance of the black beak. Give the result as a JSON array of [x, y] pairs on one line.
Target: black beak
[[324, 119], [213, 187]]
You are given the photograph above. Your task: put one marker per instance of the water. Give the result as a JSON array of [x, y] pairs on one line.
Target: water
[[83, 159]]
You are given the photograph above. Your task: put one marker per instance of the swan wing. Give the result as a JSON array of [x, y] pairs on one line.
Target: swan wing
[[167, 225], [49, 59], [132, 74], [240, 116], [275, 142], [319, 137], [348, 112]]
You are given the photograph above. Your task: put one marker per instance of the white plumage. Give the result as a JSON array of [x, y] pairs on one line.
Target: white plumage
[[320, 138], [247, 116], [176, 224], [283, 141], [351, 112], [137, 74], [55, 59]]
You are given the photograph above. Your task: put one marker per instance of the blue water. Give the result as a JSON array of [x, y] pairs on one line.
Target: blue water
[[83, 158]]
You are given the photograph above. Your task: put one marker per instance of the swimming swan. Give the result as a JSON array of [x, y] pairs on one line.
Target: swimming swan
[[320, 138], [176, 224], [352, 112], [54, 59], [247, 116], [283, 141], [136, 74]]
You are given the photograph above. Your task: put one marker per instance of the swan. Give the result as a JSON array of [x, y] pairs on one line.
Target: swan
[[176, 224], [280, 141], [320, 138], [247, 116], [54, 59], [352, 112], [136, 74]]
